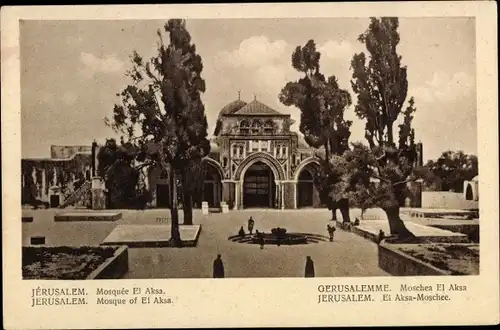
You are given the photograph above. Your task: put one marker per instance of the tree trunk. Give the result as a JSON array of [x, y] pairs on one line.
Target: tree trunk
[[174, 212], [327, 153], [344, 210], [334, 211], [188, 208], [343, 206], [390, 137], [396, 225]]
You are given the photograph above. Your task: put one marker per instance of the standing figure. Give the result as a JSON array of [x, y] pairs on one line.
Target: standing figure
[[309, 267], [261, 240], [218, 267], [331, 230], [381, 236], [251, 223], [241, 232]]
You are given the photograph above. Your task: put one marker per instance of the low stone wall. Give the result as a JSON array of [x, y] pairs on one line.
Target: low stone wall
[[194, 242], [471, 230], [113, 268], [398, 263], [447, 200], [365, 234], [88, 216]]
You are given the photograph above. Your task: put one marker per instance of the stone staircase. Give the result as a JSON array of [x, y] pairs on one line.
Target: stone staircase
[[80, 196]]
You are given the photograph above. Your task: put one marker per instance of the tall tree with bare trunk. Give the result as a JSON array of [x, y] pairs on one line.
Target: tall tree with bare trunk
[[322, 104], [380, 82], [162, 114]]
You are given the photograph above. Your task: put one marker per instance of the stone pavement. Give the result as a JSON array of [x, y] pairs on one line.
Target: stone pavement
[[349, 255]]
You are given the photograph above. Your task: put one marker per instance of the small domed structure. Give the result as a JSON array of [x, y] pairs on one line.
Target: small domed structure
[[471, 189], [229, 109], [232, 107]]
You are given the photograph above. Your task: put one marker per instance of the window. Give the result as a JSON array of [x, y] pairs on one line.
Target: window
[[224, 162], [255, 145], [242, 151], [256, 125], [263, 145], [244, 127], [294, 159], [235, 150], [269, 127]]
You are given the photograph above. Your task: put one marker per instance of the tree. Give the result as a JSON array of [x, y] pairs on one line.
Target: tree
[[121, 175], [322, 104], [451, 169], [163, 116], [381, 85], [29, 191]]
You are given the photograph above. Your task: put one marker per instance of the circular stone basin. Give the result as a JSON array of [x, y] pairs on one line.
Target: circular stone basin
[[284, 239]]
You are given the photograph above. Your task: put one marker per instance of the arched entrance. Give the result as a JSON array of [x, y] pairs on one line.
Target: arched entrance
[[468, 193], [305, 189], [212, 187], [307, 194], [259, 186]]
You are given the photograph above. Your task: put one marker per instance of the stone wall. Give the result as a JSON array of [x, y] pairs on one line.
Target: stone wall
[[400, 264], [446, 200]]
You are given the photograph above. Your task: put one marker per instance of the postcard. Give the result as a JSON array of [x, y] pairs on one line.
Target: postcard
[[250, 165]]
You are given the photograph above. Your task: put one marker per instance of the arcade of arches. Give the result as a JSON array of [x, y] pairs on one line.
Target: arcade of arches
[[210, 191], [258, 187]]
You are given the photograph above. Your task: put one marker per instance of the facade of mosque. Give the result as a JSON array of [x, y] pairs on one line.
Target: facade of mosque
[[255, 161]]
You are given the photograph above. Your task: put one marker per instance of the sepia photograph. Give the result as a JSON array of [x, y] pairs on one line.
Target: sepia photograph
[[250, 150]]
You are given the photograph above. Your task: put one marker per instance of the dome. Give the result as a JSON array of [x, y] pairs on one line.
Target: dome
[[232, 107], [227, 110]]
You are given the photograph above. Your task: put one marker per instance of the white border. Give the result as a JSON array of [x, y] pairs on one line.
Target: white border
[[256, 302]]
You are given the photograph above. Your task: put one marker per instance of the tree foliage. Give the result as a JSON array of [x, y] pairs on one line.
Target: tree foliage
[[117, 166], [380, 82], [162, 114], [321, 102], [450, 170]]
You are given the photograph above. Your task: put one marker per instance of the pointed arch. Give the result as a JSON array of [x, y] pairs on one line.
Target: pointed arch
[[216, 165], [264, 158], [303, 164]]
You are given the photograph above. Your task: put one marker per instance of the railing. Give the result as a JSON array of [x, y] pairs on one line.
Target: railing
[[75, 196]]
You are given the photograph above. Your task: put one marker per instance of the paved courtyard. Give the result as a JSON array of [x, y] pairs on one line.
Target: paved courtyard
[[348, 255]]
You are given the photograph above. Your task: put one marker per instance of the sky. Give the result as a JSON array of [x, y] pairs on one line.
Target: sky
[[72, 70]]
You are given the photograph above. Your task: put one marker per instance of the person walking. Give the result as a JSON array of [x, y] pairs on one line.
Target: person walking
[[331, 231], [218, 267], [309, 267]]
